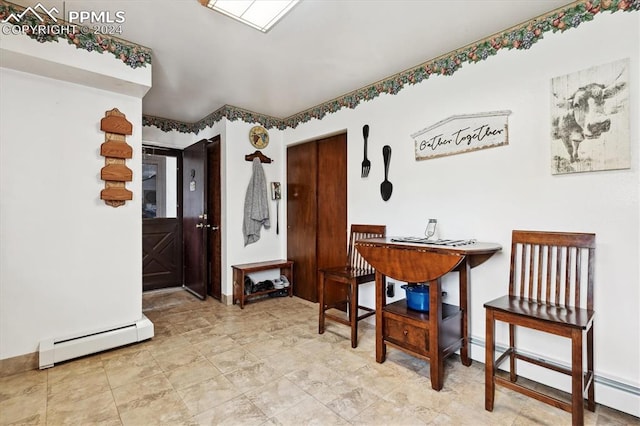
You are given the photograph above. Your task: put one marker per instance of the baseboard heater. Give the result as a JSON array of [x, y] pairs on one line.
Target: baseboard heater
[[58, 350]]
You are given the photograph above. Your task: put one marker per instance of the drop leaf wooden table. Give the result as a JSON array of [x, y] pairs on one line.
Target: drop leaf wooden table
[[432, 335]]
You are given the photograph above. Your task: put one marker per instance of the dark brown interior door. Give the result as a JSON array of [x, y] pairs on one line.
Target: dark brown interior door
[[214, 209], [301, 217], [194, 218]]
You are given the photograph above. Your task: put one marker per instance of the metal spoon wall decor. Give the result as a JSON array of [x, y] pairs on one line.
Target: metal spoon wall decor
[[386, 187]]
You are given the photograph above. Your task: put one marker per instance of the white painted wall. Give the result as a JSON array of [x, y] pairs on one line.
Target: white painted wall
[[238, 173], [486, 194], [69, 264], [62, 61]]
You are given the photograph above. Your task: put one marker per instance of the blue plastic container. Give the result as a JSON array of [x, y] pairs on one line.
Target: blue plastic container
[[417, 297]]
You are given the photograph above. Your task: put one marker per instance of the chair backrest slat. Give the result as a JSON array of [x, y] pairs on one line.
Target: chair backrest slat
[[549, 277], [532, 256], [558, 256], [523, 263], [361, 232], [540, 265], [554, 268], [576, 300], [567, 278]]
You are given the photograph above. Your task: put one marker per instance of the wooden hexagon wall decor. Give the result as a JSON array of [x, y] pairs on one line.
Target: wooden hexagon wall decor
[[115, 151]]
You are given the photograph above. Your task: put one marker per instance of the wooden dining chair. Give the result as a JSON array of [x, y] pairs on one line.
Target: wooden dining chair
[[354, 272], [550, 290]]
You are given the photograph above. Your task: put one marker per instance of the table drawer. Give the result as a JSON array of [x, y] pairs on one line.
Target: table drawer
[[405, 334]]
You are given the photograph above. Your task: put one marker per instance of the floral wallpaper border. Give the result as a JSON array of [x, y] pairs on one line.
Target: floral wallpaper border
[[227, 111], [133, 55], [520, 37]]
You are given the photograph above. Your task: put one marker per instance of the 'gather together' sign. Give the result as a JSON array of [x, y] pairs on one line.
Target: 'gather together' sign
[[462, 133]]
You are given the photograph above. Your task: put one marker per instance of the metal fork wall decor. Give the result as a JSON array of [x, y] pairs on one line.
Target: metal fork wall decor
[[366, 164]]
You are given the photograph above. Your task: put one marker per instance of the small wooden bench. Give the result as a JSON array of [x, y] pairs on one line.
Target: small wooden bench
[[239, 272]]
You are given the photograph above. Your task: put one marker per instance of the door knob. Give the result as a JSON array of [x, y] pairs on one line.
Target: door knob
[[215, 228], [202, 225]]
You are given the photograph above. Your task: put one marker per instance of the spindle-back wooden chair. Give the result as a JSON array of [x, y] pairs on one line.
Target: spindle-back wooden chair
[[356, 271], [550, 290]]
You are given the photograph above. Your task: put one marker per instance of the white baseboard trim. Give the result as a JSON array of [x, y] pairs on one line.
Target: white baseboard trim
[[226, 299]]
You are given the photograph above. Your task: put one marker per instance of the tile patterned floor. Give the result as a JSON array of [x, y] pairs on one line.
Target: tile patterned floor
[[211, 364]]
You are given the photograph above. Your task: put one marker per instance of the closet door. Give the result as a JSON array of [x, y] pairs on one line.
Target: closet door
[[316, 210], [331, 205], [301, 217]]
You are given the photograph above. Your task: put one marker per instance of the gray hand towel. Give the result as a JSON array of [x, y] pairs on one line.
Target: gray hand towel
[[256, 208]]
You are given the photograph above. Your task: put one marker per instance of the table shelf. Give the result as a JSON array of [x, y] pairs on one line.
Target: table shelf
[[400, 308]]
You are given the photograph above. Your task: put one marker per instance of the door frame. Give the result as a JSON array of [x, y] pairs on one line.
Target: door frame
[[176, 153], [214, 208], [213, 202]]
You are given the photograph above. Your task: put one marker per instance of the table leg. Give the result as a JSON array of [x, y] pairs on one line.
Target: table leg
[[436, 358], [465, 275], [381, 301]]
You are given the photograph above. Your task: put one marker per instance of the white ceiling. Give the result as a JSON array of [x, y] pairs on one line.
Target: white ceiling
[[322, 49]]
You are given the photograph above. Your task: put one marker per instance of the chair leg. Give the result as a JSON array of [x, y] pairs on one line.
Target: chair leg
[[353, 313], [513, 374], [321, 303], [591, 397], [577, 399], [489, 384]]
